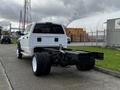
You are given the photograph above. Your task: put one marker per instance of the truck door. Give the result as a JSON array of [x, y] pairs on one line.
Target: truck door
[[25, 39]]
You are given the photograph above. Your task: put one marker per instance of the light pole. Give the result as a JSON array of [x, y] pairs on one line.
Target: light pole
[[27, 13], [24, 20], [10, 27], [20, 20]]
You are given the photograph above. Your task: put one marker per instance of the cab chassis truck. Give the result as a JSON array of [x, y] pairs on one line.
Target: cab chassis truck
[[47, 44]]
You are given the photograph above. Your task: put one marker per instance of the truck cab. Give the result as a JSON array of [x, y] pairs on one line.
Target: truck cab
[[38, 35]]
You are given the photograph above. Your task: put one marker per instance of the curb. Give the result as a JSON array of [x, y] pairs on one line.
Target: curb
[[107, 71]]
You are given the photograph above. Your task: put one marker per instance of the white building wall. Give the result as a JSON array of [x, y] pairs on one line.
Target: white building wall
[[113, 33]]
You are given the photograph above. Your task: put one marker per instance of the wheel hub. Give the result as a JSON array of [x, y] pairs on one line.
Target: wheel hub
[[17, 52], [34, 64]]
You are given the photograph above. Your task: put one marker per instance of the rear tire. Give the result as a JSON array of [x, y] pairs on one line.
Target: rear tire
[[41, 64], [86, 65]]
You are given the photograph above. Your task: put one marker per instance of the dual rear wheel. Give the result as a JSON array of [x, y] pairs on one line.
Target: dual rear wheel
[[86, 65], [41, 64]]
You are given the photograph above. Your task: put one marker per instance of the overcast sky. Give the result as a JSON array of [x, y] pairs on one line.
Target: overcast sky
[[61, 11]]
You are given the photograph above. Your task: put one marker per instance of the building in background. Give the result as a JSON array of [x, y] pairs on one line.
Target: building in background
[[77, 34], [113, 32]]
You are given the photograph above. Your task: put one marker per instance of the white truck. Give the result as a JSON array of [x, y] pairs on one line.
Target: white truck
[[47, 44]]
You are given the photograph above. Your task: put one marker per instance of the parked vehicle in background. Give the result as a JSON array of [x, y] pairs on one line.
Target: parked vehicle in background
[[5, 39]]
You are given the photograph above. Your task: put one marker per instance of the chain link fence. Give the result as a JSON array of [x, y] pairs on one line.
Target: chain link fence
[[96, 38]]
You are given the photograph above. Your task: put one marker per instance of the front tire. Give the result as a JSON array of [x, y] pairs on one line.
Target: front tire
[[41, 64], [19, 54], [86, 65]]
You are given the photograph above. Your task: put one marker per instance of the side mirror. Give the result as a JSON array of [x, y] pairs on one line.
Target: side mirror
[[68, 40]]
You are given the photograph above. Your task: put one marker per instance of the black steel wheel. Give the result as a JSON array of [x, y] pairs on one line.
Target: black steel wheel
[[86, 65]]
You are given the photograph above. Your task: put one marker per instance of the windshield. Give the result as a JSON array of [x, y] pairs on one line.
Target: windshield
[[48, 28]]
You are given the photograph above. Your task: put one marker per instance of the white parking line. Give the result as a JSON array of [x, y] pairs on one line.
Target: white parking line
[[5, 78]]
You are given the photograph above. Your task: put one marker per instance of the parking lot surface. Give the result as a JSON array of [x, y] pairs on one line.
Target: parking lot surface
[[21, 77]]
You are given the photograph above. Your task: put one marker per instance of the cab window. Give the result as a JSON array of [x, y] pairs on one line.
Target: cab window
[[48, 29]]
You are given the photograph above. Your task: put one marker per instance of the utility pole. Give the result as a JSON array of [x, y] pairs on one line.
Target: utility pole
[[20, 20], [27, 13], [10, 28], [24, 20]]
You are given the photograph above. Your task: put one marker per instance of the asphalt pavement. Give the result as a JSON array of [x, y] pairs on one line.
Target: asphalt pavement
[[17, 75]]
